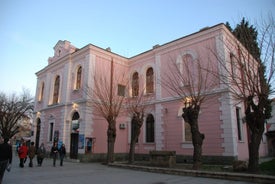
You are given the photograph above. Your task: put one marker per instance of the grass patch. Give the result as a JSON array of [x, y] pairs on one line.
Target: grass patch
[[268, 167]]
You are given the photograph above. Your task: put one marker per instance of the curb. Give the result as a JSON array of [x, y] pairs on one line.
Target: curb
[[255, 178]]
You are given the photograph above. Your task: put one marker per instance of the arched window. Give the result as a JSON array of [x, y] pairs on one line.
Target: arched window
[[150, 80], [78, 78], [75, 116], [75, 122], [184, 59], [187, 67], [56, 90], [188, 63], [40, 98], [150, 129], [135, 84]]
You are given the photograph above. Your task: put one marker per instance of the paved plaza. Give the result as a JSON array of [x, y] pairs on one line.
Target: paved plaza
[[94, 173]]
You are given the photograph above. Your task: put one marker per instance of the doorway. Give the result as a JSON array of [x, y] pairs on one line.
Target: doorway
[[74, 136], [74, 146]]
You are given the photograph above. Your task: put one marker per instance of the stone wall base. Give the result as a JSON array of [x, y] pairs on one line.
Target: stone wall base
[[123, 157]]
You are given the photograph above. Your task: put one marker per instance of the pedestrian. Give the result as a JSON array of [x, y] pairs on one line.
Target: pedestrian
[[89, 146], [31, 153], [62, 154], [22, 153], [41, 152], [54, 152], [18, 144], [5, 157]]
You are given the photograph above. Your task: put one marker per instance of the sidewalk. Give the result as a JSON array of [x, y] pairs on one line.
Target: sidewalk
[[253, 178], [96, 173]]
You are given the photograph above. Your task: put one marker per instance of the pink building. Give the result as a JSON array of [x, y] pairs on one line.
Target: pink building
[[62, 113]]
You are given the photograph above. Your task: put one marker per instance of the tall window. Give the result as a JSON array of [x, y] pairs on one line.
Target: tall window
[[56, 90], [234, 67], [239, 123], [41, 92], [189, 67], [187, 132], [150, 129], [186, 128], [78, 78], [150, 80], [50, 132], [121, 90], [135, 84]]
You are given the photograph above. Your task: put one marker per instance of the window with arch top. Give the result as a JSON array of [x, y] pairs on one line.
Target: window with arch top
[[150, 80], [41, 94], [56, 90], [150, 129], [78, 78], [135, 84]]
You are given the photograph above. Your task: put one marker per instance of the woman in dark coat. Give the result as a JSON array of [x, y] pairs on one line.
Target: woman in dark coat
[[31, 153], [41, 152]]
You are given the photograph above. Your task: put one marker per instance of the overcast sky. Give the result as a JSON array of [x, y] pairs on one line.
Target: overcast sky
[[29, 29]]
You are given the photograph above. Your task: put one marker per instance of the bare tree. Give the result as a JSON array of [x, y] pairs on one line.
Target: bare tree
[[189, 81], [13, 109], [105, 98], [136, 107], [250, 79]]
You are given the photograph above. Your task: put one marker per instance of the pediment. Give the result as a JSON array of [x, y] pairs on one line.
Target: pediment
[[61, 49]]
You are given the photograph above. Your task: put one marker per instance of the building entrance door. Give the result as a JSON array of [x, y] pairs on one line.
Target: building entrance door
[[74, 146], [74, 136]]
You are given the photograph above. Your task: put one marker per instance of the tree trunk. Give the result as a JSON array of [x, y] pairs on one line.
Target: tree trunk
[[253, 163], [197, 140], [257, 129], [111, 133], [256, 122], [132, 150], [190, 115], [137, 123]]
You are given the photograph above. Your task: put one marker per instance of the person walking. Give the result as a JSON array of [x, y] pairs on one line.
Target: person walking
[[54, 152], [5, 157], [22, 153], [31, 153], [41, 152], [62, 154]]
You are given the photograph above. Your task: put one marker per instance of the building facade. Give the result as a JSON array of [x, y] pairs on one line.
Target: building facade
[[62, 112]]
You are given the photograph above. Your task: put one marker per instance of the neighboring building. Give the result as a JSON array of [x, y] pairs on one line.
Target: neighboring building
[[25, 131], [271, 131], [62, 113], [25, 128]]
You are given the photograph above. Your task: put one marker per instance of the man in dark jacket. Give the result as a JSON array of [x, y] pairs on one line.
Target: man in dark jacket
[[5, 157], [62, 154], [54, 152]]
